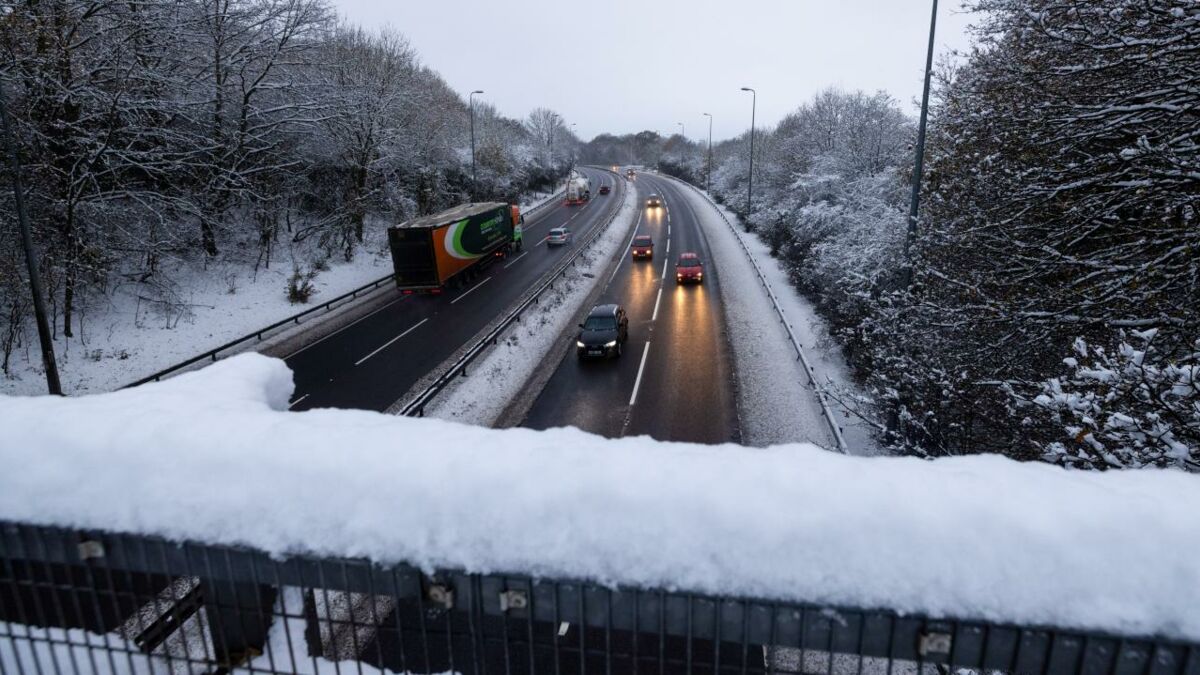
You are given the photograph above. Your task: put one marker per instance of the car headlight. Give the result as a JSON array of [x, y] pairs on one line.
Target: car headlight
[[579, 343], [610, 344]]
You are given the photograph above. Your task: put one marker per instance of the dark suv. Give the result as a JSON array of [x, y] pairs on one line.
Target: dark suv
[[603, 332]]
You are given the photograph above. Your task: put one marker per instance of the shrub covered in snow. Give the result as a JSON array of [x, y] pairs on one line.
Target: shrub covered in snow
[[1126, 408]]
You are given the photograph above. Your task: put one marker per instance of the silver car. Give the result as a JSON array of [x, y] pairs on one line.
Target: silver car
[[558, 236]]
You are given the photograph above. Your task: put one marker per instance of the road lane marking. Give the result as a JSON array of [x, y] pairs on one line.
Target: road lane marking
[[638, 382], [352, 323], [470, 291], [514, 260], [295, 403], [664, 274], [657, 300], [390, 342], [668, 243], [624, 254]]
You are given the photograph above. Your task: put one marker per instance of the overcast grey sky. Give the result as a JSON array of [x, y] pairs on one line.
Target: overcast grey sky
[[623, 66]]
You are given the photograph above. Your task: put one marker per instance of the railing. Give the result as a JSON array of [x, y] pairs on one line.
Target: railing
[[257, 335], [88, 602], [813, 382], [416, 407]]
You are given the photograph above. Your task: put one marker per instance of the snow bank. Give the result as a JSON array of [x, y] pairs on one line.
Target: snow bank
[[214, 456], [503, 372]]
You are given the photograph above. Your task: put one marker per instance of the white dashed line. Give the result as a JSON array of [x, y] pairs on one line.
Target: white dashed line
[[638, 382], [393, 340], [657, 300], [353, 323], [514, 260], [470, 291]]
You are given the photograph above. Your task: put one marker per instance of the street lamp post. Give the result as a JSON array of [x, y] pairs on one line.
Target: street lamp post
[[682, 130], [35, 279], [750, 182], [572, 169], [474, 185], [914, 204], [708, 173]]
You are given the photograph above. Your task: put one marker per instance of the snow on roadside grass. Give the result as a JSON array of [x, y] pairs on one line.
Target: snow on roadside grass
[[215, 457], [499, 376], [775, 403], [131, 336]]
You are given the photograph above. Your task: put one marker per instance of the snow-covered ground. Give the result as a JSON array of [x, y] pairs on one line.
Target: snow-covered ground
[[775, 402], [981, 537], [501, 374], [125, 335]]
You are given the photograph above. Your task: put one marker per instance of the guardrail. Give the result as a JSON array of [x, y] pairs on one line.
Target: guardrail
[[416, 407], [257, 335], [101, 603], [815, 384]]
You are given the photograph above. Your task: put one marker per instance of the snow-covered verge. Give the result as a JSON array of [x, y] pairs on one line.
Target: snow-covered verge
[[775, 402], [133, 332], [981, 537], [130, 335], [504, 371]]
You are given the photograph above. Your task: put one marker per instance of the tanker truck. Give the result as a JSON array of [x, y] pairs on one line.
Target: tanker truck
[[579, 190], [445, 249]]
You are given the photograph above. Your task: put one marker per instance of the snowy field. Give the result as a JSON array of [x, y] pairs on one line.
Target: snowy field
[[775, 403], [980, 537], [126, 336], [501, 374]]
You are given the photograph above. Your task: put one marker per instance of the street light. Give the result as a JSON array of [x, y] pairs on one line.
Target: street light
[[708, 174], [474, 186], [919, 161], [35, 279], [682, 130], [750, 184]]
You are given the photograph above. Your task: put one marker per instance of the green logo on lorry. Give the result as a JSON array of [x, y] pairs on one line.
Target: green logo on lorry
[[468, 240]]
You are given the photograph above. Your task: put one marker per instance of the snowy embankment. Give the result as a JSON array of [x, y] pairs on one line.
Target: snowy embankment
[[775, 402], [136, 329], [503, 372], [133, 334], [973, 537]]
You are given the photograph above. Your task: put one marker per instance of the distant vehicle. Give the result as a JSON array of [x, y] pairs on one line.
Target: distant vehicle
[[643, 246], [653, 201], [579, 190], [603, 333], [630, 173], [689, 269], [558, 236], [604, 189], [432, 252]]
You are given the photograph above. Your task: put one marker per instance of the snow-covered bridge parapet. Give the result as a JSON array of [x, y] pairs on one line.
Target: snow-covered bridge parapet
[[402, 542], [89, 602]]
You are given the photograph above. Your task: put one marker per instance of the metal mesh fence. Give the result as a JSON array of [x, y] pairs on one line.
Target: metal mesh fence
[[104, 603]]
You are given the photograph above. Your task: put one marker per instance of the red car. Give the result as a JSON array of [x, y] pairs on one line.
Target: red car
[[689, 269], [604, 189], [643, 247]]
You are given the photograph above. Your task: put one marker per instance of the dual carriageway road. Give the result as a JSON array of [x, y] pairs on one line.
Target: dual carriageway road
[[673, 382]]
